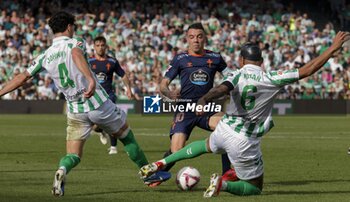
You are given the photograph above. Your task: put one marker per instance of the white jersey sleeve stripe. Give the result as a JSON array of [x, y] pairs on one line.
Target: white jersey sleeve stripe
[[283, 77]]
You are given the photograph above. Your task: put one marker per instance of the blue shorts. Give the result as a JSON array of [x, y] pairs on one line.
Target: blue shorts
[[184, 122]]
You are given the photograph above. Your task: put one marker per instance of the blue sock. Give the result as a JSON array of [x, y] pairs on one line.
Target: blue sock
[[113, 141], [226, 164]]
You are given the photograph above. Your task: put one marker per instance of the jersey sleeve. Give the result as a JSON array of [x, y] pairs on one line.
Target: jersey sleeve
[[80, 43], [37, 65], [232, 77], [118, 69], [173, 69], [222, 65], [281, 78]]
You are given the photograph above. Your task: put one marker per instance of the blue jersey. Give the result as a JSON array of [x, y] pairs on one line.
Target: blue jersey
[[104, 70], [196, 73]]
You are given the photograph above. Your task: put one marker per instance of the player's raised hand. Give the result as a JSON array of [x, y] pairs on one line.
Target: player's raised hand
[[340, 39], [91, 89]]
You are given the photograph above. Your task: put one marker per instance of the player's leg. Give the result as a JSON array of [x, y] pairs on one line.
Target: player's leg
[[131, 147], [102, 135], [113, 148], [245, 155], [181, 128], [135, 153], [78, 130], [210, 122], [113, 121], [240, 188], [191, 150]]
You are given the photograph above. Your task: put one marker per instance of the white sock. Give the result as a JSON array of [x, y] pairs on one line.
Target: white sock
[[224, 186]]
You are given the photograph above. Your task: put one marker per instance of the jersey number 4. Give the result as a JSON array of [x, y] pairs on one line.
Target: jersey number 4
[[248, 101], [64, 76]]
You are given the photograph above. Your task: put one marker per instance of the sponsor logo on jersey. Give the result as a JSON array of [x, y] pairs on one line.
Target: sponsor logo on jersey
[[199, 77], [101, 77]]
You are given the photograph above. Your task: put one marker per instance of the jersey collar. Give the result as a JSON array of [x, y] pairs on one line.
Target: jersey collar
[[60, 38], [252, 66]]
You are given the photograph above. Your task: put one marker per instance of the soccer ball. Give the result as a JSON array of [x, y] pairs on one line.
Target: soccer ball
[[187, 178]]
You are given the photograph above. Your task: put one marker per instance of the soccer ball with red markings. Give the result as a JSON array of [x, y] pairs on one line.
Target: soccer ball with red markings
[[187, 178]]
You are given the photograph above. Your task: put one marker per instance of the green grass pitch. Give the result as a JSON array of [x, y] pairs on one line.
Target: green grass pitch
[[305, 159]]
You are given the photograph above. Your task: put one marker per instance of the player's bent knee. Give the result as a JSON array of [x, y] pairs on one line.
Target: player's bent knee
[[178, 141], [123, 132]]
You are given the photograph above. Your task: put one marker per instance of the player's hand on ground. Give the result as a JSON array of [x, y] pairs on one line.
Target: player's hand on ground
[[202, 103], [91, 89]]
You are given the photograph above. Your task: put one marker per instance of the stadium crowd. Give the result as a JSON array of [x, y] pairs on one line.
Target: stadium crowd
[[145, 35]]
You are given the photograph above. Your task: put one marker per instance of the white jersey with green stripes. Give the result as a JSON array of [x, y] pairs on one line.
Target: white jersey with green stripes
[[252, 98], [58, 62]]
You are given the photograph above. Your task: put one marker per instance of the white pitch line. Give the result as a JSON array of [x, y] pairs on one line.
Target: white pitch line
[[268, 136]]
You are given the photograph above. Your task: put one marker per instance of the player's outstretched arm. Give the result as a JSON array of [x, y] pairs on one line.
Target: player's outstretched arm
[[164, 89], [16, 82], [81, 63], [218, 91], [315, 64]]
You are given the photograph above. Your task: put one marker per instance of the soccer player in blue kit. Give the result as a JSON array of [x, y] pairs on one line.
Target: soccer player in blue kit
[[196, 68], [104, 67]]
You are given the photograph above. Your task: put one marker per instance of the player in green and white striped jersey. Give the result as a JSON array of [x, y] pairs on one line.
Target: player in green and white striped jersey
[[88, 104], [248, 118]]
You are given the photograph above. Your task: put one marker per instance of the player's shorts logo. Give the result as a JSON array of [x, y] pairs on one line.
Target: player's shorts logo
[[199, 77], [151, 104]]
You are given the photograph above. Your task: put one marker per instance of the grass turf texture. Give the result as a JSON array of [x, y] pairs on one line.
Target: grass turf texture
[[305, 159]]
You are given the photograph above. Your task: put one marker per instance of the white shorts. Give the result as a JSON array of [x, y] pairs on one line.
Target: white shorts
[[244, 153], [108, 117]]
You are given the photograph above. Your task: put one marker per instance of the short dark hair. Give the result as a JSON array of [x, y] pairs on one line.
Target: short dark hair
[[197, 25], [251, 51], [60, 21], [100, 38]]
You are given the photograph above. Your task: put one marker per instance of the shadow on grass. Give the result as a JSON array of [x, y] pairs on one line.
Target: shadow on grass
[[51, 170], [305, 182], [147, 190], [27, 152], [303, 192]]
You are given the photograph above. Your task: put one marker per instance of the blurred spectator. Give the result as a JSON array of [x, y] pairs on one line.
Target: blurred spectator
[[145, 35]]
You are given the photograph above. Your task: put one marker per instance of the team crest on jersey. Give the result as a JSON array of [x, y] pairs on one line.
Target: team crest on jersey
[[189, 64], [209, 62], [108, 66]]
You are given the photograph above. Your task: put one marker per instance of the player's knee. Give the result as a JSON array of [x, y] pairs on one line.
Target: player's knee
[[167, 153], [178, 141], [258, 182]]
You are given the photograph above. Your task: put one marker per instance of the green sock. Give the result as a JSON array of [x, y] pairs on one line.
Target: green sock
[[69, 161], [192, 150], [242, 188], [133, 150]]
